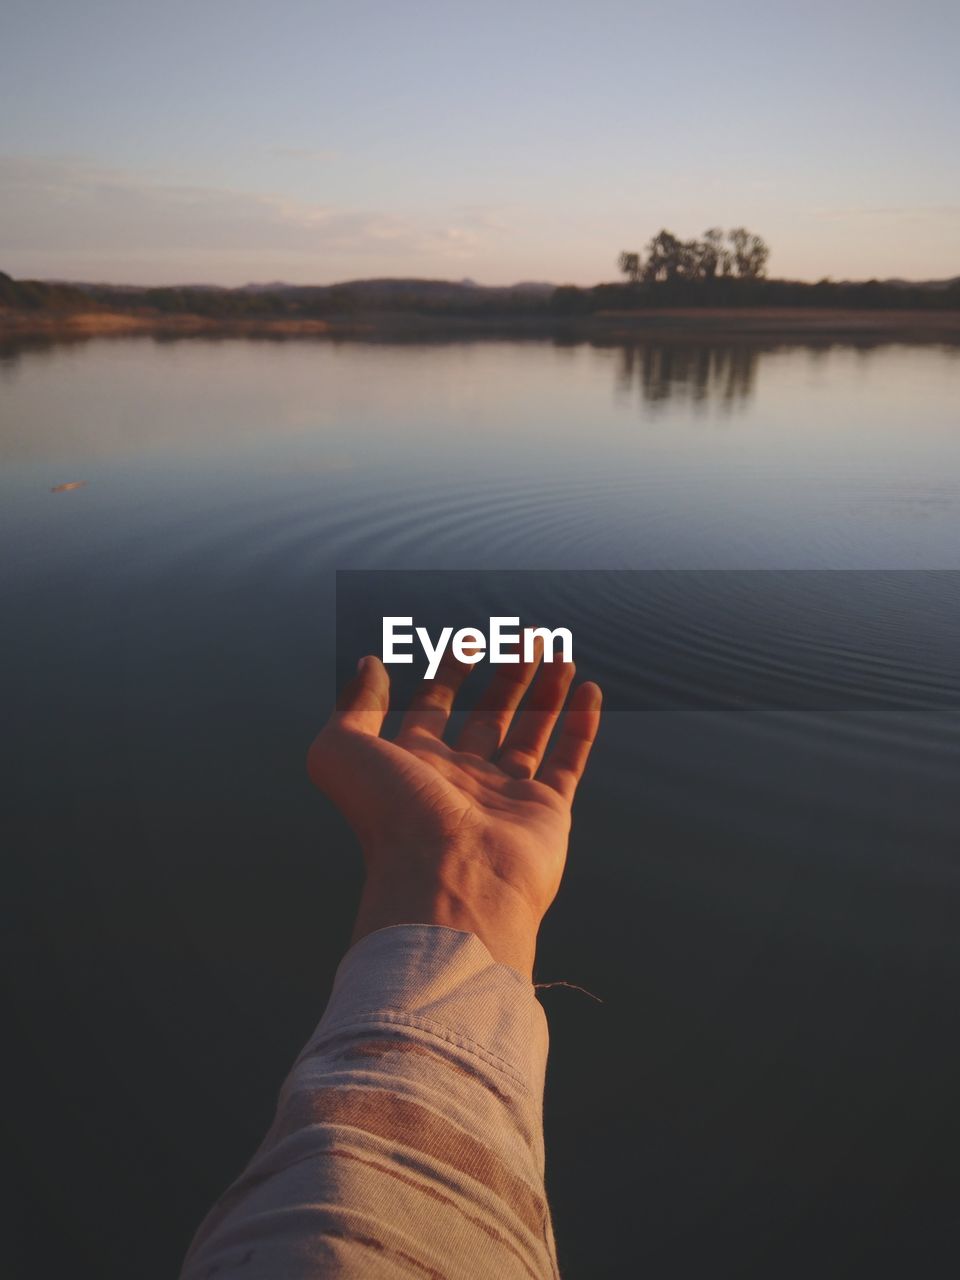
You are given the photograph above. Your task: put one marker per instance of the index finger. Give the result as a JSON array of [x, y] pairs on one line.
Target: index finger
[[430, 706]]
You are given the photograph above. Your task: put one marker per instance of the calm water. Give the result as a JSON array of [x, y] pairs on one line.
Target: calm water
[[767, 902]]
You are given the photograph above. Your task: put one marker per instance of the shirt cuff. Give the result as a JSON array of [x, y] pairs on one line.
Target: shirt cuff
[[444, 982]]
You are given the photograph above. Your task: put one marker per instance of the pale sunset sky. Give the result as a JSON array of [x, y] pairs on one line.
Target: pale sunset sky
[[228, 141]]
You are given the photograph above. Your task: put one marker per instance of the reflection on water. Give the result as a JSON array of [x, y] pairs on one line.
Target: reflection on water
[[532, 455], [765, 901], [701, 372]]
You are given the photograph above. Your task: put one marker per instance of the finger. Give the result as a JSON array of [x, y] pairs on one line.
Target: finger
[[490, 719], [431, 705], [527, 740], [565, 764], [363, 704]]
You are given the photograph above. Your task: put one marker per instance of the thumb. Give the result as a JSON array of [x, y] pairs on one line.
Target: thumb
[[339, 757]]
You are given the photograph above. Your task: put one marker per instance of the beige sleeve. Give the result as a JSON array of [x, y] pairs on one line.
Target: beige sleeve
[[408, 1138]]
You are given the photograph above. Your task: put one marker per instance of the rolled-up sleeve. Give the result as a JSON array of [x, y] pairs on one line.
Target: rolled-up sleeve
[[408, 1137]]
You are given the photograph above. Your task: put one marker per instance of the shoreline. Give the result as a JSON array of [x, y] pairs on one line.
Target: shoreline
[[669, 322]]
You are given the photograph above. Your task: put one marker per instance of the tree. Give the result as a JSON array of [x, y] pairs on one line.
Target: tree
[[631, 265], [738, 252], [750, 254], [664, 257], [713, 256], [759, 253]]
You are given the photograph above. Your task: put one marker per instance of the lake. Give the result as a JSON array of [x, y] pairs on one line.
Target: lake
[[766, 901]]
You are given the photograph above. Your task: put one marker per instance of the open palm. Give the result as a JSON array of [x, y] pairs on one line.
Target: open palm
[[472, 835]]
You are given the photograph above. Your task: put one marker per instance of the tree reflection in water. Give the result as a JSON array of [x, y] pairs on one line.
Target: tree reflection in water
[[717, 373]]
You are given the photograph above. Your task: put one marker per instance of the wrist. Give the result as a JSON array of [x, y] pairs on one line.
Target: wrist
[[496, 914]]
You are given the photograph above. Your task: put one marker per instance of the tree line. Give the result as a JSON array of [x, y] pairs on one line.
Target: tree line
[[705, 273], [738, 253]]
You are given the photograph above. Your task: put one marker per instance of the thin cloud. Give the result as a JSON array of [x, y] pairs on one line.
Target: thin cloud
[[72, 209]]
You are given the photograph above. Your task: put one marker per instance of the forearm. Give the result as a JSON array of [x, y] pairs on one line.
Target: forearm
[[408, 1136]]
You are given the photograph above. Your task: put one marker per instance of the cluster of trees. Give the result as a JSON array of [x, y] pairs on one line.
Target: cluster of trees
[[733, 291], [737, 253], [309, 302], [33, 295]]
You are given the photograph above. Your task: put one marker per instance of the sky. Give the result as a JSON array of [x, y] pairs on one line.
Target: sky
[[225, 141]]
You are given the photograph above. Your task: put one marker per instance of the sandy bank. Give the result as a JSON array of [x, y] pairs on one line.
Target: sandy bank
[[691, 323]]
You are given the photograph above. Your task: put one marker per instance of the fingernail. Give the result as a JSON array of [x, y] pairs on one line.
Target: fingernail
[[360, 666]]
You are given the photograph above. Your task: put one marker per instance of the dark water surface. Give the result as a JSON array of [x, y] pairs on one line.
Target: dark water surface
[[767, 901]]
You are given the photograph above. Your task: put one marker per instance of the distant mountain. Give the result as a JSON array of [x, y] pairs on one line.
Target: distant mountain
[[386, 285], [278, 300], [89, 285], [275, 286]]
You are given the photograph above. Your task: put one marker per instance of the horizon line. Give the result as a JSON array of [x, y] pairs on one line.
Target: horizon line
[[462, 282]]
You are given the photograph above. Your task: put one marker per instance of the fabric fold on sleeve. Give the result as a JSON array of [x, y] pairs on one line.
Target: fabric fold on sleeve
[[408, 1137]]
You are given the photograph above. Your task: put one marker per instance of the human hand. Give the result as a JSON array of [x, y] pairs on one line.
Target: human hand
[[473, 836]]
